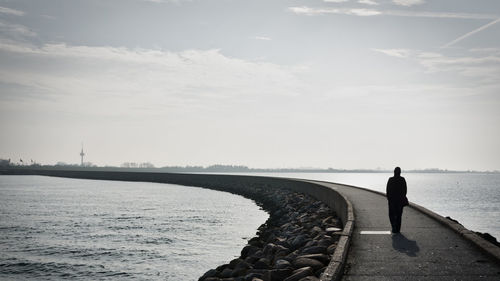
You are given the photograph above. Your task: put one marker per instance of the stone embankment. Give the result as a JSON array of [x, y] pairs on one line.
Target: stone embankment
[[296, 242]]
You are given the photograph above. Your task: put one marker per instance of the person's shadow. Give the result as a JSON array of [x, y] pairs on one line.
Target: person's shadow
[[404, 245]]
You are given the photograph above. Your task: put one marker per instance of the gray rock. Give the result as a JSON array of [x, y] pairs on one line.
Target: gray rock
[[248, 251], [251, 260], [280, 264], [307, 262], [316, 230], [324, 259], [310, 243], [314, 250], [299, 274], [269, 249], [256, 242], [220, 268], [320, 271], [281, 251], [243, 265], [226, 273], [271, 237], [259, 254], [310, 278], [299, 241], [325, 242], [333, 229], [279, 240], [234, 263], [208, 274], [326, 220], [262, 263], [277, 274], [239, 272], [331, 249], [252, 273], [283, 242], [290, 257], [318, 236]]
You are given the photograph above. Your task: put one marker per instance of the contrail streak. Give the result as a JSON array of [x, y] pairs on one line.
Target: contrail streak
[[470, 33]]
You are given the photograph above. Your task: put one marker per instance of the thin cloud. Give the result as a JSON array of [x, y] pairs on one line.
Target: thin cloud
[[147, 78], [399, 53], [408, 3], [363, 12], [483, 65], [322, 11], [368, 2], [471, 33], [310, 11], [166, 1], [16, 31], [400, 13], [335, 1], [9, 11], [486, 50], [49, 17], [263, 38]]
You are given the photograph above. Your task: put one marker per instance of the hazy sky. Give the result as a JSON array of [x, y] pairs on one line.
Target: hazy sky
[[295, 83]]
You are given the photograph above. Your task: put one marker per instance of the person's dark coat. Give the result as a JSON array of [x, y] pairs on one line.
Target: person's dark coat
[[396, 190]]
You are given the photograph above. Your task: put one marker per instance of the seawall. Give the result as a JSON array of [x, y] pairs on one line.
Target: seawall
[[235, 184]]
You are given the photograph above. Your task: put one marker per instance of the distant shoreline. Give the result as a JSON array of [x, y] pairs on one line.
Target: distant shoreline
[[228, 169]]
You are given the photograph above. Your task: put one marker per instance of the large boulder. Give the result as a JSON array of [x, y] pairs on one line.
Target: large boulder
[[331, 249], [208, 274], [226, 273], [299, 274], [324, 259], [277, 274], [281, 264], [234, 263], [307, 262], [299, 240], [262, 263], [252, 276], [314, 250], [248, 250]]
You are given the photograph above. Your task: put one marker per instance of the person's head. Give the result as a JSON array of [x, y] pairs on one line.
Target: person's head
[[397, 172]]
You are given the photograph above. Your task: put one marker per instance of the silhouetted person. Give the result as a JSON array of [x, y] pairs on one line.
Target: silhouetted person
[[396, 197]]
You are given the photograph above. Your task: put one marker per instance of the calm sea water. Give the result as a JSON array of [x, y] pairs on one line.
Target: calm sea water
[[57, 228], [472, 199]]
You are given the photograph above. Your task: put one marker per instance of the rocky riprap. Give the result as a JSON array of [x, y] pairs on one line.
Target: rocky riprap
[[294, 244]]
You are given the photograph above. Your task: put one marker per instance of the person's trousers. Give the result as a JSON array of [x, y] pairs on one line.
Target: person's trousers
[[395, 214]]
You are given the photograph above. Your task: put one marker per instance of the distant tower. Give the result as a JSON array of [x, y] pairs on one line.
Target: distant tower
[[81, 155]]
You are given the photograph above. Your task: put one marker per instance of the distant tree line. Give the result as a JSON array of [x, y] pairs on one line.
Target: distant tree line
[[9, 163], [218, 168], [85, 164], [137, 165], [5, 162]]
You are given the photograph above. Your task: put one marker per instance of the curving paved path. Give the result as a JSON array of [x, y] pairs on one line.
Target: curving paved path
[[425, 250]]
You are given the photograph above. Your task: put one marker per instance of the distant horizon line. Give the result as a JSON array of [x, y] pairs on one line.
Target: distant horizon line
[[236, 168]]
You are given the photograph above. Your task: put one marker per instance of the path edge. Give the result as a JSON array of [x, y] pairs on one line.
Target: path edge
[[334, 270]]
